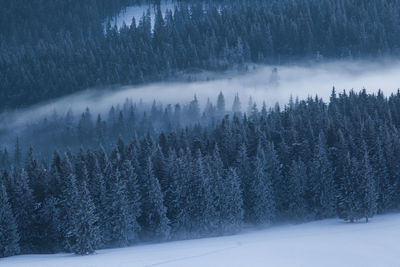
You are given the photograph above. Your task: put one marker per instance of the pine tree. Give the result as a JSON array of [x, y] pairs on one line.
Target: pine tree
[[273, 169], [221, 104], [262, 195], [17, 153], [232, 203], [349, 196], [321, 187], [153, 220], [9, 237], [23, 206], [129, 175], [175, 193], [199, 198], [297, 183], [244, 172], [237, 107], [121, 224], [368, 187], [69, 197], [85, 228]]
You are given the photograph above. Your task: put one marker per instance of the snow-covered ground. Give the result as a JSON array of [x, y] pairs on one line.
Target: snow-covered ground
[[324, 243]]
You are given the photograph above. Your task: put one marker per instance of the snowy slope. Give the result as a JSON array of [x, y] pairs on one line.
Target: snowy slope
[[324, 243]]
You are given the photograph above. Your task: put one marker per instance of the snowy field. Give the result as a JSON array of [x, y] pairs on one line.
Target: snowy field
[[323, 243]]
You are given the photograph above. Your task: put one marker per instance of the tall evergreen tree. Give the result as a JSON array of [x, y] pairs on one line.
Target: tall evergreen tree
[[85, 228], [153, 220], [368, 187], [9, 237], [262, 193], [321, 184], [232, 205], [23, 206]]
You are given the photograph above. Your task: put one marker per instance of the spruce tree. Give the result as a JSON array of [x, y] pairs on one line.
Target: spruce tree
[[9, 237], [23, 205], [321, 187], [244, 172], [85, 228], [221, 104], [153, 220], [232, 203], [121, 224], [350, 197], [368, 187], [297, 180], [262, 207], [236, 107]]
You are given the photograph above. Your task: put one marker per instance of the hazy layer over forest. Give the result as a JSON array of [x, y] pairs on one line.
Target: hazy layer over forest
[[261, 83]]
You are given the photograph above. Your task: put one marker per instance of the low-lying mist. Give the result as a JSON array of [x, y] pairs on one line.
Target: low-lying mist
[[271, 84]]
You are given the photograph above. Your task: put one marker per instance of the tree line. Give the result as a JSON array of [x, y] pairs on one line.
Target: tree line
[[46, 52], [308, 160]]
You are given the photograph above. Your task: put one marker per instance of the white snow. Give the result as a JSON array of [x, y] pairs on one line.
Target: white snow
[[321, 244]]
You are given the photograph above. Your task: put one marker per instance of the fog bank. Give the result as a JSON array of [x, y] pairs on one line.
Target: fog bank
[[259, 82]]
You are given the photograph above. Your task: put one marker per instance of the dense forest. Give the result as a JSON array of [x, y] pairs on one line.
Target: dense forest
[[185, 172], [52, 48]]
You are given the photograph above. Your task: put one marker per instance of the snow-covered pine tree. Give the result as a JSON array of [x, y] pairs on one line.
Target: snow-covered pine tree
[[85, 228], [244, 173], [23, 206], [321, 186], [273, 169], [262, 208], [69, 197], [232, 203], [129, 175], [349, 196], [297, 179], [153, 220], [121, 224], [9, 237], [368, 188], [381, 174]]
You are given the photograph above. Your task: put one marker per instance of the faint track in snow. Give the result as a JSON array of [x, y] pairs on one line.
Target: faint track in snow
[[192, 257]]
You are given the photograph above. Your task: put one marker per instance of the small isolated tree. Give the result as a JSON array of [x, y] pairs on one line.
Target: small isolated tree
[[9, 237]]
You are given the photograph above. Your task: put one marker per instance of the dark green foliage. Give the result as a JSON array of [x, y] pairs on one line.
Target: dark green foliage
[[23, 205], [262, 191], [53, 48], [321, 184], [153, 219], [9, 238], [208, 176], [86, 231]]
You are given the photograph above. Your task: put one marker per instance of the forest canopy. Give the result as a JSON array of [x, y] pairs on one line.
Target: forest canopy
[[54, 48], [182, 172]]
